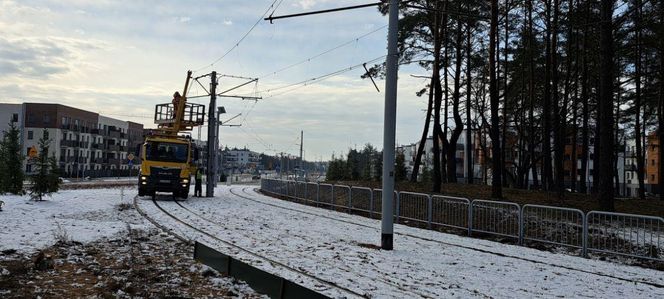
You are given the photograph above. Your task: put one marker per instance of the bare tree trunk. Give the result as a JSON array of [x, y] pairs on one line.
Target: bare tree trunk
[[503, 139], [637, 104], [575, 107], [546, 109], [583, 188], [531, 95], [443, 160], [423, 140], [496, 186], [615, 148], [456, 100], [660, 110], [469, 134], [559, 142], [437, 106], [606, 104]]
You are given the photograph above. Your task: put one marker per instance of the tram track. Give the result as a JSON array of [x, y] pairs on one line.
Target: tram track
[[328, 284], [320, 260]]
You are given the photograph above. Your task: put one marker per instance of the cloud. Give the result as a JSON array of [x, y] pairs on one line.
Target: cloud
[[184, 19], [40, 56], [228, 22]]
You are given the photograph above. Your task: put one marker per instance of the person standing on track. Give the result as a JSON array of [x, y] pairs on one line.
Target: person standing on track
[[198, 190]]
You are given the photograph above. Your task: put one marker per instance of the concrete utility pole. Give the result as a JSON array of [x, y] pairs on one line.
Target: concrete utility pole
[[301, 142], [212, 137], [389, 128]]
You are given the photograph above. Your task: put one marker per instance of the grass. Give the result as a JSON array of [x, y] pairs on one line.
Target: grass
[[584, 202]]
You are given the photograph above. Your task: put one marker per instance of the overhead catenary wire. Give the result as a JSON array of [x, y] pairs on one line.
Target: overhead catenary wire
[[318, 78], [272, 73], [237, 44]]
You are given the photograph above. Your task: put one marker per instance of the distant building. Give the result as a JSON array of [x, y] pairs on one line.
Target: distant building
[[652, 162], [84, 143], [240, 161]]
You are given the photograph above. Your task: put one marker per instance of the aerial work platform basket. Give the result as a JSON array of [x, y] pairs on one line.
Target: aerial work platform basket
[[166, 116]]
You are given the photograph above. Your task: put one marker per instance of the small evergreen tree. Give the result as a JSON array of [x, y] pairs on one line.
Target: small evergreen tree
[[46, 179], [3, 168], [11, 161], [54, 175], [400, 168]]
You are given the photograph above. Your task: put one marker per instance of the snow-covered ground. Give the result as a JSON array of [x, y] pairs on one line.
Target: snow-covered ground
[[83, 215], [116, 252], [334, 247], [337, 247]]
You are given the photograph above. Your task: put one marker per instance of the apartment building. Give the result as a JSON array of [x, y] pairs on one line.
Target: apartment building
[[83, 143], [240, 160]]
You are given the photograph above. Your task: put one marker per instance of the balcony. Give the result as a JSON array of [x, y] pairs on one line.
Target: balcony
[[99, 160], [68, 143], [97, 145], [113, 161], [113, 147], [95, 131], [114, 134]]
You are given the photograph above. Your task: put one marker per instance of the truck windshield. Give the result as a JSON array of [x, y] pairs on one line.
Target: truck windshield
[[166, 152]]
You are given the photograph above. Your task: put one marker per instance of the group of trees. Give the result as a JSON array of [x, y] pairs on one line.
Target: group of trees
[[363, 165], [45, 180], [537, 77], [11, 170]]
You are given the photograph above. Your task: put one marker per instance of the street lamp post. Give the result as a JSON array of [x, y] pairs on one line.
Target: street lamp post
[[220, 110]]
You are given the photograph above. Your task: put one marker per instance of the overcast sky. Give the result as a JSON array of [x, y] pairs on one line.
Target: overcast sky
[[120, 58]]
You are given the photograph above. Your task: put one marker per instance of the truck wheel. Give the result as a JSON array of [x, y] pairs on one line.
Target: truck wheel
[[184, 194], [141, 192]]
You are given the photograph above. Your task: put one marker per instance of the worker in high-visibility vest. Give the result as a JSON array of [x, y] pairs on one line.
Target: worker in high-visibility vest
[[198, 190]]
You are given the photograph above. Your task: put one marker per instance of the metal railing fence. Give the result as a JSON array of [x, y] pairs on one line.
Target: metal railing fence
[[554, 225], [625, 234], [449, 211], [361, 199], [495, 218], [594, 232]]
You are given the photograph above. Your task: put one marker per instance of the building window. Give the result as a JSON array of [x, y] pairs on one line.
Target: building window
[[652, 178], [652, 162], [46, 119], [30, 135]]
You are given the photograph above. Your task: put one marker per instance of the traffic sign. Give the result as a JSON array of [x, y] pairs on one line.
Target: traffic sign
[[32, 152]]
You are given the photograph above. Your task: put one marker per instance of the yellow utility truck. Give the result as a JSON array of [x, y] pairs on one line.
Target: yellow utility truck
[[169, 156]]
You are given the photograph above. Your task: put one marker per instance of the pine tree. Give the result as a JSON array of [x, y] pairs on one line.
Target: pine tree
[[45, 181], [3, 168], [12, 170], [400, 169]]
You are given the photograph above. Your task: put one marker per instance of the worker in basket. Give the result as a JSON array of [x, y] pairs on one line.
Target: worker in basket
[[176, 101]]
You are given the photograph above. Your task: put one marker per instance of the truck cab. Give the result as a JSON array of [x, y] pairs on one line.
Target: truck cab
[[168, 165]]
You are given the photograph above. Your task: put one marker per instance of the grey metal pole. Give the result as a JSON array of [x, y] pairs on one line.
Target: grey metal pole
[[389, 128], [216, 146], [301, 161], [211, 140]]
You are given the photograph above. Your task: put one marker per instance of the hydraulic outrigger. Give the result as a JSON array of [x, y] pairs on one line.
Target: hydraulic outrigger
[[169, 157]]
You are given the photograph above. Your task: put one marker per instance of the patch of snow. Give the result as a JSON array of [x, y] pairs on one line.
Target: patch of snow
[[80, 215], [424, 263]]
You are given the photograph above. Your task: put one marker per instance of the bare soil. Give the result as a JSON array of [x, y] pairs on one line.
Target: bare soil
[[138, 265]]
